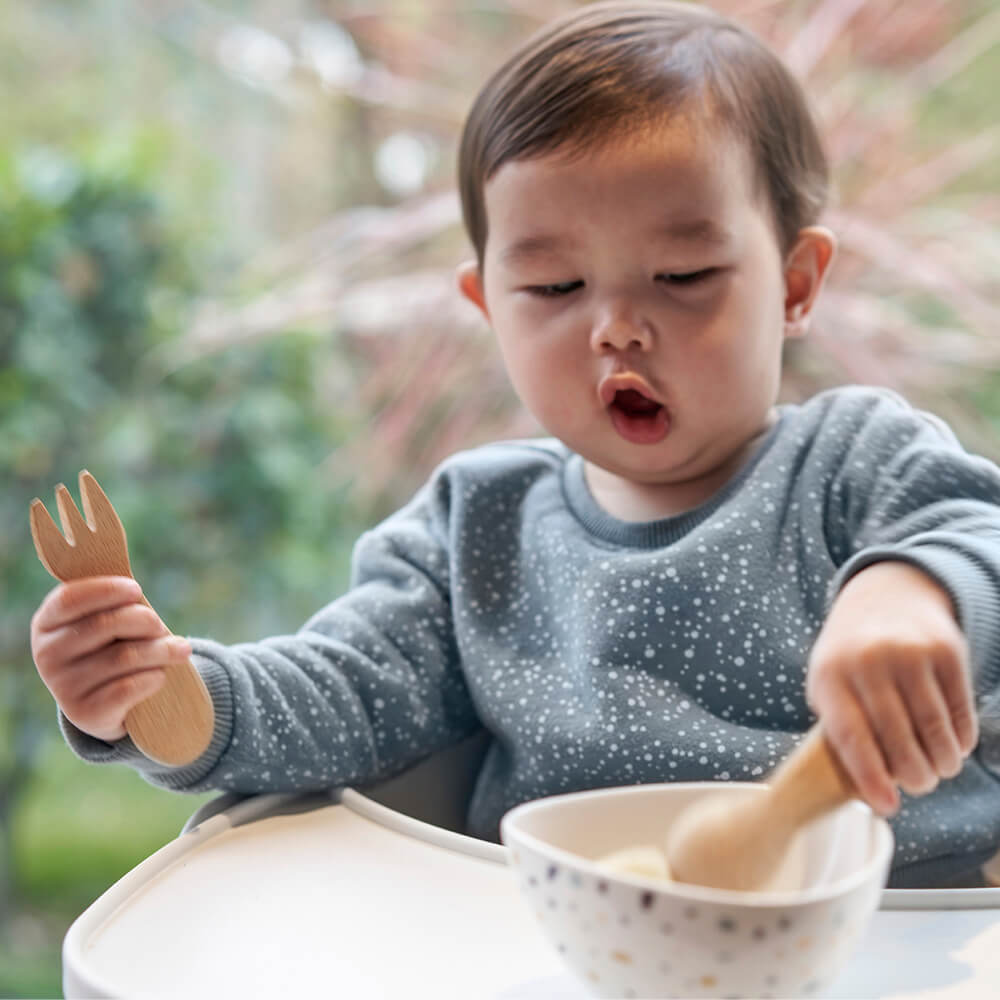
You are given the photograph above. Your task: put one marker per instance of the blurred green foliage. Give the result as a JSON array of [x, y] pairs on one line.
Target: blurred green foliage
[[90, 285], [92, 282], [75, 839]]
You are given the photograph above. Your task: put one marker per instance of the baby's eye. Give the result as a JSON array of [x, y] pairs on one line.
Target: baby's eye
[[689, 277], [554, 291]]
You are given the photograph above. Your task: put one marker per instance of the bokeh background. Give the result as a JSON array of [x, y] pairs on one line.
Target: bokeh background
[[227, 238]]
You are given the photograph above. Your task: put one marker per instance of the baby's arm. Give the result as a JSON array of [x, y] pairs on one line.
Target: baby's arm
[[370, 684], [889, 677], [912, 636], [100, 649]]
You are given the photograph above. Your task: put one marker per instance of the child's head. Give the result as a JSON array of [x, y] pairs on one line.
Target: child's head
[[640, 184], [609, 69]]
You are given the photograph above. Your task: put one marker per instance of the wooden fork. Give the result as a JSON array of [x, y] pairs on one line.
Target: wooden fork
[[174, 725]]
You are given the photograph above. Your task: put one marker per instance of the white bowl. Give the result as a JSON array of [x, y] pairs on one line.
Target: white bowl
[[631, 936]]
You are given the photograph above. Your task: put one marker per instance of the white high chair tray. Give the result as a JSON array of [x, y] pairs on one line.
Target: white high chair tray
[[302, 897]]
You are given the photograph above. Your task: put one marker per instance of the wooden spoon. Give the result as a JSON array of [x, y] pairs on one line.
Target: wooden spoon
[[174, 725], [739, 844]]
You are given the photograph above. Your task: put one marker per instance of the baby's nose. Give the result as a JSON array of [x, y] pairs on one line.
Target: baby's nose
[[620, 330]]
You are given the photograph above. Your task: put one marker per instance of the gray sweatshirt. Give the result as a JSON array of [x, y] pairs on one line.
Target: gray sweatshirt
[[597, 652]]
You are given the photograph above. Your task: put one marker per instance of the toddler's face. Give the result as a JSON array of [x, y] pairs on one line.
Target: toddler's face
[[640, 301]]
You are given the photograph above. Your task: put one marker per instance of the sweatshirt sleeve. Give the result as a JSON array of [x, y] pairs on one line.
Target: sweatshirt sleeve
[[370, 684], [906, 490]]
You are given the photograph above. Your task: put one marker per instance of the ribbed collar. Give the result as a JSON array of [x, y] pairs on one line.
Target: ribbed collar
[[653, 534]]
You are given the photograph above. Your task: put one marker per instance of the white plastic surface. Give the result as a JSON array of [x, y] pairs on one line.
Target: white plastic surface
[[333, 902], [926, 955], [293, 905]]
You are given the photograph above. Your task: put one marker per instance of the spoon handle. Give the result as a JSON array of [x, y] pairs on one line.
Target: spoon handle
[[809, 782], [740, 845]]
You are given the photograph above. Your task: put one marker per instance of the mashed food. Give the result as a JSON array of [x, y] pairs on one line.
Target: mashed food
[[642, 859]]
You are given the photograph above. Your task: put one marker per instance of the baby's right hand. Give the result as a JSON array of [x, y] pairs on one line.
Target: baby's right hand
[[101, 649]]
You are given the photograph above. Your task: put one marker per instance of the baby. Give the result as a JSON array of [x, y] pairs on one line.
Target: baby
[[685, 575]]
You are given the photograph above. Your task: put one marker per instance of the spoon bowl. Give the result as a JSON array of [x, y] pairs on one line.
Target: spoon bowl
[[732, 843]]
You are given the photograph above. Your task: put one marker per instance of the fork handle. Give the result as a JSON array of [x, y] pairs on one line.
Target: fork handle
[[174, 726]]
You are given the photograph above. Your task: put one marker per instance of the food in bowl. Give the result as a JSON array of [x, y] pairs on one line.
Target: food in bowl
[[637, 859], [637, 935]]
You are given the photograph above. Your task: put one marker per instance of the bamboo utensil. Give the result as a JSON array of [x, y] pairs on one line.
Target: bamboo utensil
[[174, 725], [739, 845]]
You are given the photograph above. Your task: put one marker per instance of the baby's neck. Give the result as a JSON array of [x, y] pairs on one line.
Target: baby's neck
[[630, 500]]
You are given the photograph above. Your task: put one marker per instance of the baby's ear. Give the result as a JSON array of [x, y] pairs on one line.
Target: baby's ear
[[470, 284], [806, 268]]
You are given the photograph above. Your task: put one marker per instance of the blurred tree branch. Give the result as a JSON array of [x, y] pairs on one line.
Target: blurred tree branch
[[911, 303]]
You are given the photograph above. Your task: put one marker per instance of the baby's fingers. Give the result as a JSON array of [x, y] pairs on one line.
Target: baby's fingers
[[76, 599], [86, 635], [955, 683], [893, 725], [850, 735], [102, 713], [90, 673], [932, 721]]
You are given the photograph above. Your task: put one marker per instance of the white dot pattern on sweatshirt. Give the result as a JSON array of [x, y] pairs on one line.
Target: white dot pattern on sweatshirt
[[598, 652]]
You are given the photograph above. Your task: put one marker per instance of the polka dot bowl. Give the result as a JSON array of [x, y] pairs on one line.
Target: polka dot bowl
[[628, 935]]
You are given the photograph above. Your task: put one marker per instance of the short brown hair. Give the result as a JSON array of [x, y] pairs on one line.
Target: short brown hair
[[611, 67]]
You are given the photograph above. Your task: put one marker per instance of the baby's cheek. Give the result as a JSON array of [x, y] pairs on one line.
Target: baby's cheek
[[551, 390]]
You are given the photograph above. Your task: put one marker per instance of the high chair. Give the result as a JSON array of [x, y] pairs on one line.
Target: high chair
[[376, 892]]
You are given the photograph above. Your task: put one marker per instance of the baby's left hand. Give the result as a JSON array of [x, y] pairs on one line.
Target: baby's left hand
[[889, 679]]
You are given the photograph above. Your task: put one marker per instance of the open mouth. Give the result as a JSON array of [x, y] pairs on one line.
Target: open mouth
[[637, 418]]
